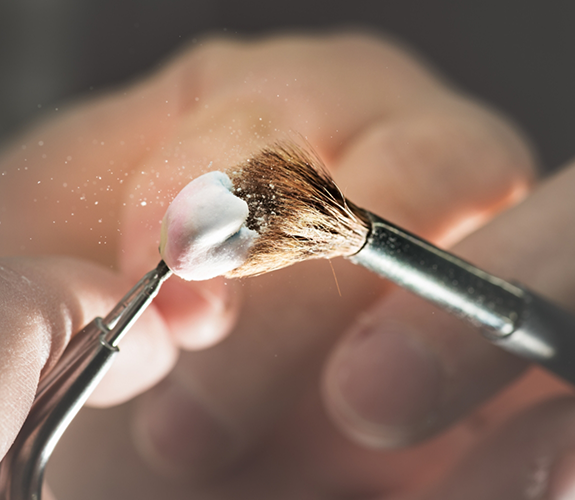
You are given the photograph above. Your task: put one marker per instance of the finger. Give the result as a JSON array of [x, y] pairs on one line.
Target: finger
[[409, 370], [64, 186], [251, 94], [63, 182], [289, 320], [532, 456], [441, 172], [43, 302], [218, 403]]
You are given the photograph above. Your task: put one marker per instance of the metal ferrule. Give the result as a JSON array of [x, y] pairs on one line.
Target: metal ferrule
[[453, 284], [508, 315]]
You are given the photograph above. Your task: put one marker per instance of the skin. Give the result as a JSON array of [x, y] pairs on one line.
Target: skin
[[302, 393]]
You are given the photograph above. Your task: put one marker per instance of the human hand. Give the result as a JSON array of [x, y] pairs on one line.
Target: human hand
[[398, 142], [43, 302]]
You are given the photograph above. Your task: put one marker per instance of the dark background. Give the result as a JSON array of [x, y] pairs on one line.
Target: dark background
[[519, 55]]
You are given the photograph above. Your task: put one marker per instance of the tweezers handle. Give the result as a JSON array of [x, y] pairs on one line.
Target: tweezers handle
[[66, 388], [58, 401]]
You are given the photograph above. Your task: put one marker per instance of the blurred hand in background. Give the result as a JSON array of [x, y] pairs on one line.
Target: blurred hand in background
[[278, 386]]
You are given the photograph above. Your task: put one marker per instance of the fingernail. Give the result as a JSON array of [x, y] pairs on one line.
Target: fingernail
[[562, 478], [176, 434], [385, 385]]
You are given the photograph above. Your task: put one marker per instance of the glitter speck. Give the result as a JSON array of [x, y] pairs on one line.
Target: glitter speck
[[143, 203]]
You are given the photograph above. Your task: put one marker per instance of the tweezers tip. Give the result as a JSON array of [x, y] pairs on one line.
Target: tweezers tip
[[162, 270]]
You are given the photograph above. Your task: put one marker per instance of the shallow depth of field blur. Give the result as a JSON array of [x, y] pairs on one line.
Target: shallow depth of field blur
[[515, 54]]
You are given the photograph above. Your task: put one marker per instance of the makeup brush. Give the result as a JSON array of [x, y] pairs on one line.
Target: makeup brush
[[287, 208]]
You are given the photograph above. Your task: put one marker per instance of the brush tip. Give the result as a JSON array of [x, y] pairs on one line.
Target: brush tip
[[276, 208]]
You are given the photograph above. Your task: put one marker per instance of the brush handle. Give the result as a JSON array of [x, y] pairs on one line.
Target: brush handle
[[545, 334], [506, 314]]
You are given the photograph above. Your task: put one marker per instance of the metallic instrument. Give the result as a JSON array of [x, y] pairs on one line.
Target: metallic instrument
[[507, 314], [66, 388]]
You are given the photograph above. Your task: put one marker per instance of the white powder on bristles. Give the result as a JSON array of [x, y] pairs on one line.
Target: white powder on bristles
[[297, 210], [277, 208], [203, 232]]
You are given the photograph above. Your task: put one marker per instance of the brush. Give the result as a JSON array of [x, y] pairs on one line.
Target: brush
[[281, 206]]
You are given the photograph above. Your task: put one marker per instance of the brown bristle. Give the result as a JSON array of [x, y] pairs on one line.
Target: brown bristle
[[296, 208]]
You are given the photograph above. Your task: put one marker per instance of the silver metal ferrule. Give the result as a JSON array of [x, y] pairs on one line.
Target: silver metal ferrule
[[455, 285], [509, 315]]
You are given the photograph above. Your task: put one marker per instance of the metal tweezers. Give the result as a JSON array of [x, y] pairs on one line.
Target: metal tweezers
[[66, 388]]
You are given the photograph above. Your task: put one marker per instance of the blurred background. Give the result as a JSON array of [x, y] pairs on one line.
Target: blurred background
[[518, 55]]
